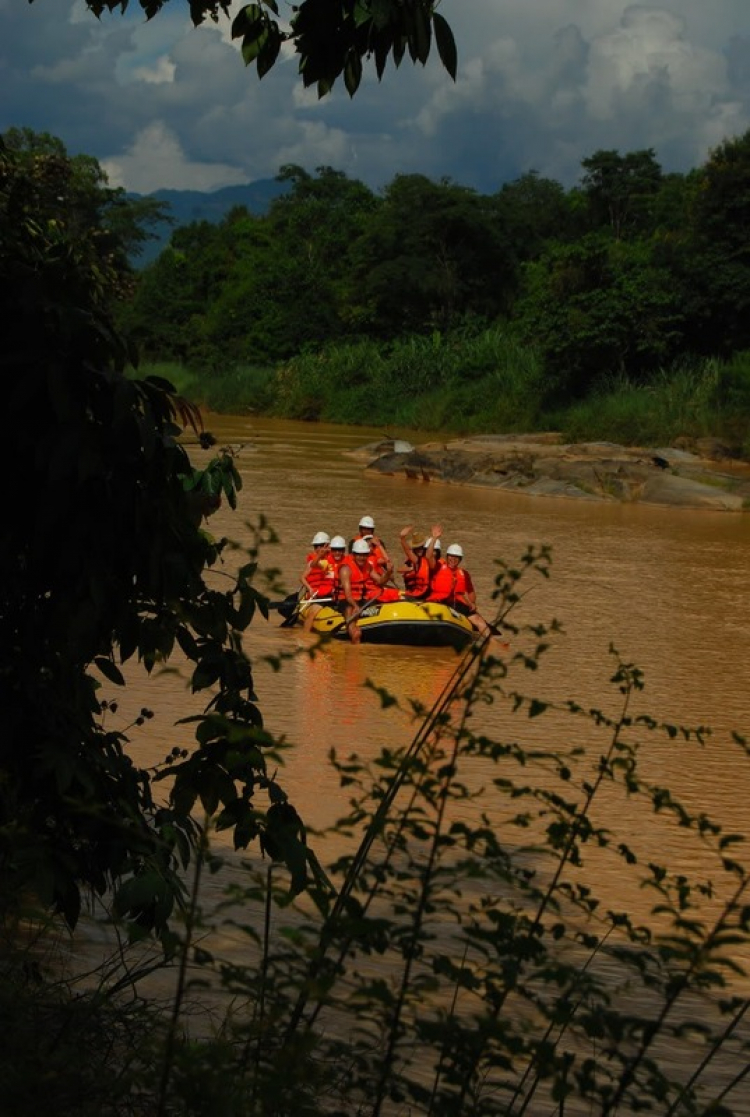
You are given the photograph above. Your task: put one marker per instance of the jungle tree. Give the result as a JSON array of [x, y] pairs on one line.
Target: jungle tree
[[104, 564], [620, 189], [717, 255], [433, 254]]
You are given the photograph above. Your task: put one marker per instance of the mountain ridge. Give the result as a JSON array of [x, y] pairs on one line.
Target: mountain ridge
[[186, 206]]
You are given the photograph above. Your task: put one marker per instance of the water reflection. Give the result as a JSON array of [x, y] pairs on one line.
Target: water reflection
[[354, 699]]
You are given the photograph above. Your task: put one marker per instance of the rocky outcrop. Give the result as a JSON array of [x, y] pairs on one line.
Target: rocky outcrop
[[701, 475]]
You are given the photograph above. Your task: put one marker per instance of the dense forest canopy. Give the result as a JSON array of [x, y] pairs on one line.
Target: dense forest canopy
[[106, 564], [627, 272]]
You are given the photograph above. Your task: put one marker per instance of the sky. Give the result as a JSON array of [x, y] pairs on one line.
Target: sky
[[542, 84]]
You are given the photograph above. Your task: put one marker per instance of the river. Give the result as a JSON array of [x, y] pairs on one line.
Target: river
[[667, 587]]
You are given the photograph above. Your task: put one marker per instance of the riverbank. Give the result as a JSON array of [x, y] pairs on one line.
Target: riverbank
[[691, 474], [472, 386]]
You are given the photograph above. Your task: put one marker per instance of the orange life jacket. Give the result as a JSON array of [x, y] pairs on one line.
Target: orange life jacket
[[377, 555], [447, 584], [320, 575], [363, 584], [336, 562], [417, 578]]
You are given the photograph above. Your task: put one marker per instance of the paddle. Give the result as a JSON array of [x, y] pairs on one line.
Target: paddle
[[292, 603], [493, 629], [291, 616]]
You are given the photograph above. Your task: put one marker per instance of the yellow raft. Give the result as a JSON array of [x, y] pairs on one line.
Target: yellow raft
[[416, 623]]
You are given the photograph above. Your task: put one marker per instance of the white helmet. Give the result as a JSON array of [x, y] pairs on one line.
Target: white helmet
[[435, 546], [338, 543], [320, 537], [367, 521], [455, 549], [360, 547]]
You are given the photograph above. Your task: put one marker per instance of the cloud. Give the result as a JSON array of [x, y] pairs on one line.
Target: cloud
[[156, 160], [161, 70], [649, 49], [539, 87], [632, 80]]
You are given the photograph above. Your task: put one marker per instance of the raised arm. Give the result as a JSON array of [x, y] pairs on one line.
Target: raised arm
[[380, 579], [404, 534], [437, 531]]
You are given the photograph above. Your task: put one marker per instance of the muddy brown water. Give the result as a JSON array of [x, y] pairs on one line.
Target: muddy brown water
[[667, 587]]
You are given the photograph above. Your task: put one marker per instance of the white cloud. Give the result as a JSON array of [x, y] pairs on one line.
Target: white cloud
[[158, 72], [317, 145], [156, 160], [618, 77], [650, 45]]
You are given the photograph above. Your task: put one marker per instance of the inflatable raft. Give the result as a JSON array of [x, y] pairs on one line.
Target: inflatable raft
[[416, 623]]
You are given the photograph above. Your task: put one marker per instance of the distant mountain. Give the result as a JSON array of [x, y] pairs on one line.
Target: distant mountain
[[186, 206]]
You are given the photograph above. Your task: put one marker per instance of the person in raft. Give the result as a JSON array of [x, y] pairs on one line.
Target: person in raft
[[336, 557], [378, 553], [452, 585], [366, 530], [416, 571], [318, 578], [362, 583], [366, 527]]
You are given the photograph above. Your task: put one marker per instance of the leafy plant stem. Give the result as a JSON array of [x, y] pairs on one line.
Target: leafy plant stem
[[394, 1023], [715, 1048], [679, 987], [452, 687], [530, 1094], [444, 1049], [629, 683], [190, 921]]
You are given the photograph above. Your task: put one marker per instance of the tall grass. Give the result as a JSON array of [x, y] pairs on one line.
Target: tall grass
[[681, 401], [457, 383], [483, 383], [232, 390], [691, 400]]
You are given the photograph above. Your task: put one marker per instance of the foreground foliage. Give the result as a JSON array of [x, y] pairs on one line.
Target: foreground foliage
[[105, 564], [333, 38], [468, 955], [468, 962]]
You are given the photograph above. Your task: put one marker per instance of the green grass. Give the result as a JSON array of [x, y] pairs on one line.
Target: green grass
[[691, 400], [235, 390], [486, 383]]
